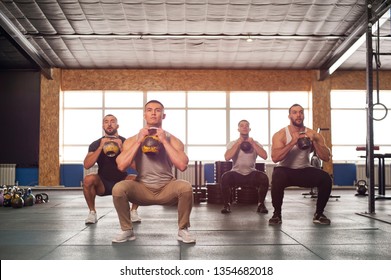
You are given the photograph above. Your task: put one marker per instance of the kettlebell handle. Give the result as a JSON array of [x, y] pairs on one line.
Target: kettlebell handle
[[152, 130]]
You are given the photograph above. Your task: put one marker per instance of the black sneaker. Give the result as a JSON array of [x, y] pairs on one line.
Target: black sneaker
[[262, 209], [321, 219], [275, 220], [226, 210]]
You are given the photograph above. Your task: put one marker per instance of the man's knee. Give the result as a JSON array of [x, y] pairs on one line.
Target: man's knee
[[185, 187], [119, 188], [90, 180]]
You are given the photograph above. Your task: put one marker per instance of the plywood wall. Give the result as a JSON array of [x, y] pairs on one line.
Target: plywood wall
[[145, 80], [49, 161]]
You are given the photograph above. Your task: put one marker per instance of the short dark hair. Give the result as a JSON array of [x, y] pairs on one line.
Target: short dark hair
[[110, 115], [153, 101], [243, 121], [294, 105]]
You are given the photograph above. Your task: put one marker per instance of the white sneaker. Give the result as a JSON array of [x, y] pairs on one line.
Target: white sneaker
[[185, 236], [135, 217], [92, 218], [124, 236]]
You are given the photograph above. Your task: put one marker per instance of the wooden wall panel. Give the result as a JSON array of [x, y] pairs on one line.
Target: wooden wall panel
[[322, 113], [186, 80], [49, 162], [357, 80]]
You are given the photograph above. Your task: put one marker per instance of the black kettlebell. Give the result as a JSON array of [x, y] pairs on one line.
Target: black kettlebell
[[151, 145], [361, 187], [111, 148], [246, 147], [304, 142], [39, 199]]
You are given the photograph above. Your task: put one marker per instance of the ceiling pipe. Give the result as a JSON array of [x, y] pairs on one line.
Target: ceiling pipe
[[20, 41]]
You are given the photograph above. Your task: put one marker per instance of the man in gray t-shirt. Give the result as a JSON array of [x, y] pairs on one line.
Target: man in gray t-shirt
[[243, 152]]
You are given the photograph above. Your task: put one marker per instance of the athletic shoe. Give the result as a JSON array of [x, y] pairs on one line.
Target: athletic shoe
[[226, 209], [321, 219], [92, 218], [275, 220], [262, 209], [135, 217], [185, 236], [124, 236]]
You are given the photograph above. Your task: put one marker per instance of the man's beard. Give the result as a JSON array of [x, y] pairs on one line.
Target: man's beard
[[111, 133], [301, 124]]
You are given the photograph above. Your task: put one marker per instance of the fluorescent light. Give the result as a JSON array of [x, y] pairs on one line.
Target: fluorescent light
[[357, 44]]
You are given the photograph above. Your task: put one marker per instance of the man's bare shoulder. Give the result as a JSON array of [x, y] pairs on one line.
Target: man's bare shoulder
[[280, 133], [131, 139]]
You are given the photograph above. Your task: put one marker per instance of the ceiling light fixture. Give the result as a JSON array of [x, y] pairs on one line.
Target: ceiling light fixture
[[357, 45]]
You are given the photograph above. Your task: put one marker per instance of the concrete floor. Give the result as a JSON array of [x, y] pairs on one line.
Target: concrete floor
[[56, 231]]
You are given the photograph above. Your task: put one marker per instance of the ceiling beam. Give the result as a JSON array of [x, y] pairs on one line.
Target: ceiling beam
[[20, 41], [189, 36], [354, 40]]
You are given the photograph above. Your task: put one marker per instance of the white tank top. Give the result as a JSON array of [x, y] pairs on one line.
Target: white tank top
[[296, 158]]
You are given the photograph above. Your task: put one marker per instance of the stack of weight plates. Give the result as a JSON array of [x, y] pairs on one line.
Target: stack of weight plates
[[220, 168], [200, 194]]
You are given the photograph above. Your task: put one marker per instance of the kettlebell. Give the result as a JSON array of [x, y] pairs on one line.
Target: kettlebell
[[246, 147], [45, 197], [151, 145], [1, 196], [39, 199], [361, 187], [304, 142], [17, 201], [29, 198], [111, 148], [7, 198]]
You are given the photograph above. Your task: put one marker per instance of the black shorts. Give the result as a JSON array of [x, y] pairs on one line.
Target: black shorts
[[108, 186]]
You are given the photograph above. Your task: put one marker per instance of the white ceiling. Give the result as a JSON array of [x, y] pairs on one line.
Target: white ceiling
[[179, 34]]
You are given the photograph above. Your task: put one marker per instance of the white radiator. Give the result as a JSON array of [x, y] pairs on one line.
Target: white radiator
[[190, 176], [7, 174], [361, 173]]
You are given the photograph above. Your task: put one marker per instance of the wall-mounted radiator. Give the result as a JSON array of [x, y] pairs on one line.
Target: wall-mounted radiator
[[7, 174], [361, 173]]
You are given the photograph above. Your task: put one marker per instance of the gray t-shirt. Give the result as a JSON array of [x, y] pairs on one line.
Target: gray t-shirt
[[244, 163]]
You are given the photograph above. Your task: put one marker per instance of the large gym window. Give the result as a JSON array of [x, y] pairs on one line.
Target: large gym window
[[349, 124], [205, 121]]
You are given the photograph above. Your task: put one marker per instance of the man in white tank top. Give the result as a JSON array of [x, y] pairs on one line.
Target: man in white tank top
[[155, 184], [294, 168]]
